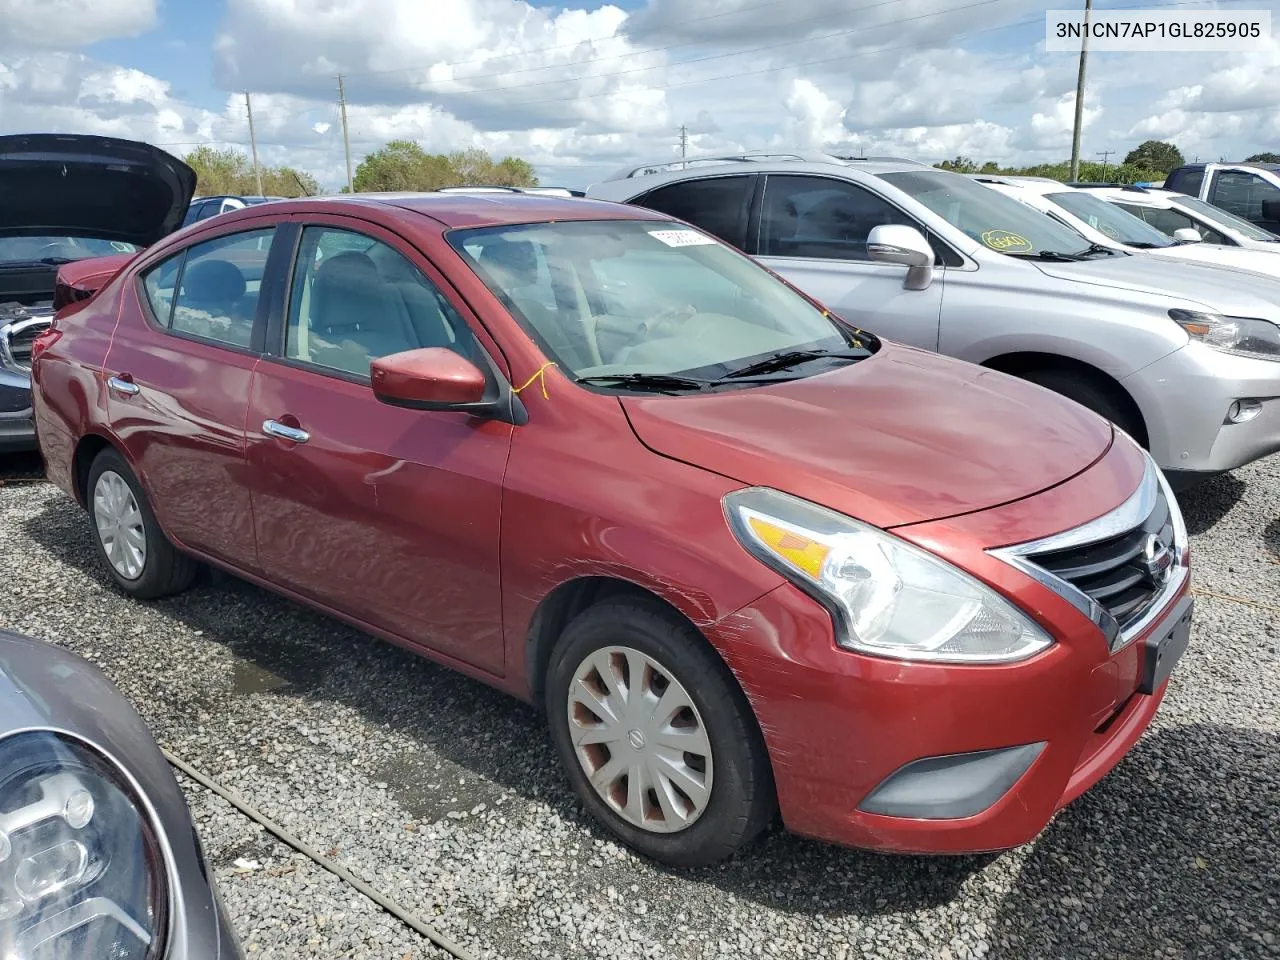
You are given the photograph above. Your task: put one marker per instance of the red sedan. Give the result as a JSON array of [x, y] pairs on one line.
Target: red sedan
[[750, 559]]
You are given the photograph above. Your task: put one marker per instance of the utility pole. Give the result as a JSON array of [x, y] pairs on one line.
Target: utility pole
[[253, 144], [346, 140], [684, 145], [1104, 154], [1075, 133]]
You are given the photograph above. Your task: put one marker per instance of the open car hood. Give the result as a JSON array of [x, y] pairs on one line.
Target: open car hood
[[902, 437], [93, 187]]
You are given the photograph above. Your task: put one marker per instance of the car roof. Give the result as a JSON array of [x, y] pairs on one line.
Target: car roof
[[1036, 185], [633, 181], [472, 209], [1147, 197]]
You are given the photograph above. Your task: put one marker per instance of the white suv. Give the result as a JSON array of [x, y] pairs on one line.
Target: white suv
[[1110, 224], [1183, 356], [1169, 212]]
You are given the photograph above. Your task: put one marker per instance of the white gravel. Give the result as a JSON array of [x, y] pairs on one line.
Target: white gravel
[[444, 794]]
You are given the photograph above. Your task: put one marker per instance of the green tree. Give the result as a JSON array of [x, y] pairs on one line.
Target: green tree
[[990, 167], [230, 171], [959, 165], [1155, 155], [404, 165], [1263, 158]]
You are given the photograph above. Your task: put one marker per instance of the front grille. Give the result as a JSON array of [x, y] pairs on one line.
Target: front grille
[[1119, 570], [1120, 573], [16, 339]]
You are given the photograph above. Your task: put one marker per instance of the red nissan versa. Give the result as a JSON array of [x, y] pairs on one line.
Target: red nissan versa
[[750, 558]]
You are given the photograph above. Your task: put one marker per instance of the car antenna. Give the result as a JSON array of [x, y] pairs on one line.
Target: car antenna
[[298, 180]]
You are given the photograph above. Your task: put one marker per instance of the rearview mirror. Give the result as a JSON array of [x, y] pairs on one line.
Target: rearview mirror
[[1188, 235], [1271, 209], [432, 378], [905, 246]]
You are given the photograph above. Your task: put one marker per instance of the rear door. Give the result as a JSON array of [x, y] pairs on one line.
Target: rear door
[[180, 367], [813, 230], [384, 514]]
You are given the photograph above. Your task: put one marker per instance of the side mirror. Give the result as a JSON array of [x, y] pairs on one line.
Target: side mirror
[[432, 378], [905, 246], [1188, 235], [1271, 209]]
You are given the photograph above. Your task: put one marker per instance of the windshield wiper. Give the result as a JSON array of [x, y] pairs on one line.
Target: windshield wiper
[[1146, 245], [791, 358], [39, 261], [1053, 255], [646, 381]]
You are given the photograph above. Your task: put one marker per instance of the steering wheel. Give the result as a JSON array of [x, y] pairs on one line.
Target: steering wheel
[[668, 320]]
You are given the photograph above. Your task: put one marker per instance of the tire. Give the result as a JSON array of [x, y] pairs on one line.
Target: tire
[[1088, 393], [690, 829], [157, 569]]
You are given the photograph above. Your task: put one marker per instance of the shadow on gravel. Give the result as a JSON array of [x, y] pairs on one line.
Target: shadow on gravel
[[1116, 874], [1173, 855], [1207, 503], [1271, 538], [284, 649], [20, 466]]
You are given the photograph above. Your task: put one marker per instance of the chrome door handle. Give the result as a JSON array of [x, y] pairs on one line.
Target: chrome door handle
[[126, 388], [273, 429]]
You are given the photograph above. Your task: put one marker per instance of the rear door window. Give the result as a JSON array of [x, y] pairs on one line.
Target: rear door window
[[210, 291], [718, 205], [1242, 193]]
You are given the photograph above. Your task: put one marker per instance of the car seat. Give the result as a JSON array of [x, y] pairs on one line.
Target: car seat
[[213, 303], [354, 315]]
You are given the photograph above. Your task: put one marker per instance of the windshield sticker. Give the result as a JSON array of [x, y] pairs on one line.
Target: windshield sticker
[[122, 247], [1006, 242], [682, 238]]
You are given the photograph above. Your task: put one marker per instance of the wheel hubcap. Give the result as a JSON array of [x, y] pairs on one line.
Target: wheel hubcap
[[640, 740], [119, 522]]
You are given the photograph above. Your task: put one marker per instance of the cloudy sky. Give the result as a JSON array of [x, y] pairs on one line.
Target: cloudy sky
[[581, 88]]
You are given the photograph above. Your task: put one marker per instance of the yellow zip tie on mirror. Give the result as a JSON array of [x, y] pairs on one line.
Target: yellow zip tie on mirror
[[540, 375]]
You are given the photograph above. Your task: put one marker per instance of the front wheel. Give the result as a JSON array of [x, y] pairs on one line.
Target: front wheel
[[139, 557], [656, 737], [1088, 392]]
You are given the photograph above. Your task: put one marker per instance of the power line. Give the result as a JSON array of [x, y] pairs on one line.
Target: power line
[[709, 57], [617, 56], [578, 43]]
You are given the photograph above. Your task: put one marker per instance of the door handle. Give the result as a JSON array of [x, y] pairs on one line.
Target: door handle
[[273, 428], [124, 386]]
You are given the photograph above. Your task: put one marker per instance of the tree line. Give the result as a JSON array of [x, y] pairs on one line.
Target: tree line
[[400, 165], [1150, 161]]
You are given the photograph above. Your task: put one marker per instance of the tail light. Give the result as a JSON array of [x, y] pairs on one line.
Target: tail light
[[45, 339]]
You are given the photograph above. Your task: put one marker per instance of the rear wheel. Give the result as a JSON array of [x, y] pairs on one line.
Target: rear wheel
[[139, 557], [1090, 393], [656, 737]]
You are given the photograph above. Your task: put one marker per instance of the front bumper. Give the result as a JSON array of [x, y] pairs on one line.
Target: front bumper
[[989, 752], [1184, 398], [17, 427]]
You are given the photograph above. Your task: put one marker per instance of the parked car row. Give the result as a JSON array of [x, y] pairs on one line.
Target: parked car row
[[752, 559], [1181, 355]]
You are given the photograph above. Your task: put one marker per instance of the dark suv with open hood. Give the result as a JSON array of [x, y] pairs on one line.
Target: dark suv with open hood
[[63, 199]]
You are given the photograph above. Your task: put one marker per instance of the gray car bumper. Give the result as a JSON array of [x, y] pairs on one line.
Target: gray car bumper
[[17, 428]]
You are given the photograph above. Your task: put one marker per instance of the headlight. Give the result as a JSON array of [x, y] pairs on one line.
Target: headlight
[[80, 869], [1241, 335], [888, 597]]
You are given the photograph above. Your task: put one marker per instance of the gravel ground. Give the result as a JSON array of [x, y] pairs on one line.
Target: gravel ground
[[445, 795]]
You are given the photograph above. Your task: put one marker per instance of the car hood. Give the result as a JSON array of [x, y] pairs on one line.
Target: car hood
[[94, 187], [903, 437], [1259, 261], [1219, 288]]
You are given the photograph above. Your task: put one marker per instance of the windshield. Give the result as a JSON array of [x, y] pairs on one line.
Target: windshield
[[624, 297], [1219, 216], [993, 219], [1109, 219], [20, 250]]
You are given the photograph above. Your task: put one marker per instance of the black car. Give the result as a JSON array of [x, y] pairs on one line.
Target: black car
[[67, 198]]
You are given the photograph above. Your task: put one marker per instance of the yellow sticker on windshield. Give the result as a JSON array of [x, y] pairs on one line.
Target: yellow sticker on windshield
[[1006, 242]]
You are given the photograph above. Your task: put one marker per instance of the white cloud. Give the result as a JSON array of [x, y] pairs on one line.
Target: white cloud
[[581, 92], [70, 24]]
